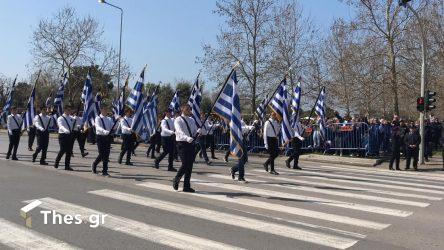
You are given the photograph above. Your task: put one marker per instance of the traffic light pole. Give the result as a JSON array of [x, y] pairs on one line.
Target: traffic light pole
[[423, 80]]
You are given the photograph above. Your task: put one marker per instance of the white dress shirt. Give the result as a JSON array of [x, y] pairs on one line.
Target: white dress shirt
[[182, 133], [65, 123], [42, 122], [103, 128], [125, 125], [78, 123], [298, 129], [271, 129], [204, 130], [13, 124], [167, 126]]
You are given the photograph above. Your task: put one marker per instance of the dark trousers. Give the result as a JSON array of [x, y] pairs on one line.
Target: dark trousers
[[104, 148], [66, 143], [186, 154], [273, 152], [127, 147], [14, 140], [31, 136], [395, 158], [42, 145], [168, 149], [296, 144], [202, 149], [411, 153], [240, 166], [81, 139], [210, 142], [151, 150]]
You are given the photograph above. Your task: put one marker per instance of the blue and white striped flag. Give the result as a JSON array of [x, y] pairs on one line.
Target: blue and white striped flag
[[115, 106], [223, 106], [296, 104], [260, 111], [194, 102], [287, 131], [58, 100], [150, 114], [8, 103], [175, 103], [97, 104], [30, 110], [320, 111], [136, 101], [88, 102], [235, 121], [277, 103]]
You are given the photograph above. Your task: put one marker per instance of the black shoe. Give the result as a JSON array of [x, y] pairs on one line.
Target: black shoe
[[189, 190], [200, 156], [156, 165], [129, 164], [34, 157], [84, 154], [297, 167], [287, 163], [232, 174], [266, 167], [208, 163], [391, 169], [214, 158], [119, 161], [105, 174], [398, 169], [415, 169], [274, 172], [225, 159], [56, 165], [7, 157], [171, 169], [242, 180], [153, 157], [406, 169], [175, 185], [44, 163], [93, 169], [14, 158], [30, 149], [69, 169]]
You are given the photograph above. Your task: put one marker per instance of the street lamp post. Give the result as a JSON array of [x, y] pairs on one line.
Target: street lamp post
[[120, 40], [423, 75]]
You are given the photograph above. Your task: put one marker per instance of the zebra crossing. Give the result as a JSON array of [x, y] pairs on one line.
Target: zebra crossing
[[322, 206]]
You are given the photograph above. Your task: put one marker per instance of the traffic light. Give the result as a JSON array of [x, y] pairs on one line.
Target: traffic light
[[420, 104], [403, 3], [429, 100]]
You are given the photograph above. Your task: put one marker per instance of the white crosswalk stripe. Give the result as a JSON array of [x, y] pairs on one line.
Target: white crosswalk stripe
[[356, 181], [234, 220], [334, 193], [137, 229], [277, 207], [327, 202], [20, 237]]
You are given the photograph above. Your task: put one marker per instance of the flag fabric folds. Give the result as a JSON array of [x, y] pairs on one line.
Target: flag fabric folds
[[136, 101], [88, 102], [280, 107], [320, 111], [8, 103], [194, 102], [150, 114], [58, 99], [296, 104], [30, 110], [175, 103], [260, 111]]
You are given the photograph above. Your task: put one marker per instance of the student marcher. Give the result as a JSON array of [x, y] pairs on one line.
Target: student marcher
[[210, 137], [167, 138], [127, 138], [14, 123], [271, 132], [66, 139], [104, 127], [296, 144], [240, 166], [79, 134], [412, 141], [202, 139], [186, 129], [31, 136], [42, 123]]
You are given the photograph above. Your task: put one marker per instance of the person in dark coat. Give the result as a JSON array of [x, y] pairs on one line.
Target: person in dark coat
[[412, 141], [396, 143]]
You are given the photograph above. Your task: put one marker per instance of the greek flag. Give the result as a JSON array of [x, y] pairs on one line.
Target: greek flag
[[320, 111], [30, 110], [97, 104], [58, 100], [136, 93], [150, 114], [235, 121], [88, 102], [48, 101], [194, 102], [277, 103], [115, 106], [136, 101], [7, 107], [296, 104], [223, 106], [287, 131], [260, 111], [175, 103]]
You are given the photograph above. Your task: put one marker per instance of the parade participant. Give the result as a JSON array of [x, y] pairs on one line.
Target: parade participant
[[31, 136], [127, 137], [14, 124], [202, 138], [154, 141], [240, 166], [396, 143], [296, 144], [186, 129], [66, 140], [412, 141], [167, 138], [104, 127], [210, 137], [42, 123], [79, 134], [271, 132]]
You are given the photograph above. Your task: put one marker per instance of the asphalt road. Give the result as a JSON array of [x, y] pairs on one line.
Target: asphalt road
[[321, 207]]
